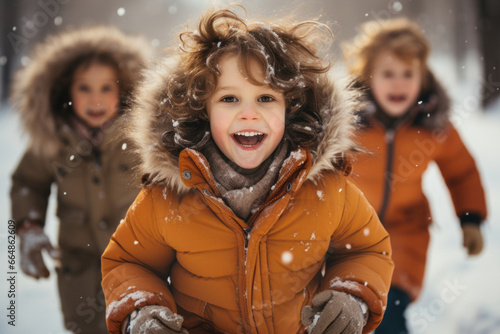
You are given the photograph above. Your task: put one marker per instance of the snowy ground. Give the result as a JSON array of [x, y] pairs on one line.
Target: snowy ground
[[460, 294]]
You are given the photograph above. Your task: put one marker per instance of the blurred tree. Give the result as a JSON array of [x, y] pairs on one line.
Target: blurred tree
[[8, 16], [489, 30]]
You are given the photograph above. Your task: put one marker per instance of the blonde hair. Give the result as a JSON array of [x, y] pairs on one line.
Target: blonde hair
[[401, 37]]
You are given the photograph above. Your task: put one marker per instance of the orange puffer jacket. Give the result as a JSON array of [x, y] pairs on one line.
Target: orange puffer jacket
[[180, 245], [391, 179], [226, 277]]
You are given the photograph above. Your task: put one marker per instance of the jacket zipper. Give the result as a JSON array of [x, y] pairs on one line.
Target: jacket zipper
[[244, 232], [389, 141]]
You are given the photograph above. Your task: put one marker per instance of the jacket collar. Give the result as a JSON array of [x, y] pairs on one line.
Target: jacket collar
[[195, 172]]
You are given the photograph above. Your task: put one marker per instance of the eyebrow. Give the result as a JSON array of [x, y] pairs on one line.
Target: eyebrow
[[223, 88], [107, 80]]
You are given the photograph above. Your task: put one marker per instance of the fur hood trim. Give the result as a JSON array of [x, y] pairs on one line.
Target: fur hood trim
[[151, 118], [34, 83]]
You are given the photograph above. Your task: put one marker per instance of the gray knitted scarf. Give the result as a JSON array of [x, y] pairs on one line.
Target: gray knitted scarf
[[244, 190]]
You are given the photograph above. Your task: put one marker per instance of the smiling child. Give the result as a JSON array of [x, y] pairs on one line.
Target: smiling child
[[69, 97], [406, 126], [246, 222]]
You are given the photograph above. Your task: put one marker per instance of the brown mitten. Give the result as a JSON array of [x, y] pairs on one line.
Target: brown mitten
[[333, 312], [155, 319], [473, 239]]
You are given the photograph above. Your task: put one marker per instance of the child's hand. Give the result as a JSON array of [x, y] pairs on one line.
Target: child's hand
[[33, 241], [333, 312], [473, 239], [155, 319]]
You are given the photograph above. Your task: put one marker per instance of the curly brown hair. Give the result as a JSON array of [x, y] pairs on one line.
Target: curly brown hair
[[399, 36], [288, 52]]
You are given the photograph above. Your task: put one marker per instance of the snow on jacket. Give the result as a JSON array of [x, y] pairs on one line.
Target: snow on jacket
[[93, 191], [180, 246], [391, 178]]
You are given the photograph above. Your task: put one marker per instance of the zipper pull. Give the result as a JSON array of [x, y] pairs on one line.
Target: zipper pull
[[389, 135]]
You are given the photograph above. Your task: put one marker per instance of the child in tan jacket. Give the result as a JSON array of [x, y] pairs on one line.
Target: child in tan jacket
[[69, 98]]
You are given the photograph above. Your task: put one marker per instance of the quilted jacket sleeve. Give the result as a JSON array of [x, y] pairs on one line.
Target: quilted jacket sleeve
[[31, 182], [359, 260], [462, 177], [136, 264]]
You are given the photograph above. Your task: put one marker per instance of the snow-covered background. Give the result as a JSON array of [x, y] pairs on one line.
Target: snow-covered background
[[461, 294]]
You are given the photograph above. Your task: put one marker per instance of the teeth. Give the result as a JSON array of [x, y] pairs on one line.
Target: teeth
[[249, 134]]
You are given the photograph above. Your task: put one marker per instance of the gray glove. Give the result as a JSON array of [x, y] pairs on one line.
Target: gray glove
[[155, 319], [33, 241], [333, 312]]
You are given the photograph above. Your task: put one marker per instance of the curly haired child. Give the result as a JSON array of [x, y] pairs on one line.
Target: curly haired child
[[246, 222], [406, 126], [69, 97]]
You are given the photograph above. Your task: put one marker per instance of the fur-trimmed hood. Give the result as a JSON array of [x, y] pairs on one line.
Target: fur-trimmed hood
[[431, 110], [34, 84], [151, 118]]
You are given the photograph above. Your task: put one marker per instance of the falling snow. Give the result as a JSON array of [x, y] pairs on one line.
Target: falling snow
[[286, 257], [320, 195]]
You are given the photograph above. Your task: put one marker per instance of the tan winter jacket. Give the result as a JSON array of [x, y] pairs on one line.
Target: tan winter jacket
[[93, 190]]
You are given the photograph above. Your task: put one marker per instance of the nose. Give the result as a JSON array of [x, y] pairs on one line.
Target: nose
[[399, 81], [95, 99], [249, 111]]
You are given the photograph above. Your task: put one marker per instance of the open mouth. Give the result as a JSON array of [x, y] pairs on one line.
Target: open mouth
[[397, 98], [96, 113], [249, 139]]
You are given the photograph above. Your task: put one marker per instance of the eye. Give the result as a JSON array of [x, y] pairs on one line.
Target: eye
[[408, 74], [107, 88], [266, 98], [387, 74], [83, 88], [229, 99]]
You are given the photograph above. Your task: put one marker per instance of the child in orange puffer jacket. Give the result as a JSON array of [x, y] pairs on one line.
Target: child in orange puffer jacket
[[405, 125], [246, 222]]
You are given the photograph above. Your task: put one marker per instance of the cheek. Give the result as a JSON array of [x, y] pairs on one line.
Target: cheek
[[417, 87], [378, 88], [278, 125], [218, 126], [113, 101], [414, 89], [78, 101], [276, 121]]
